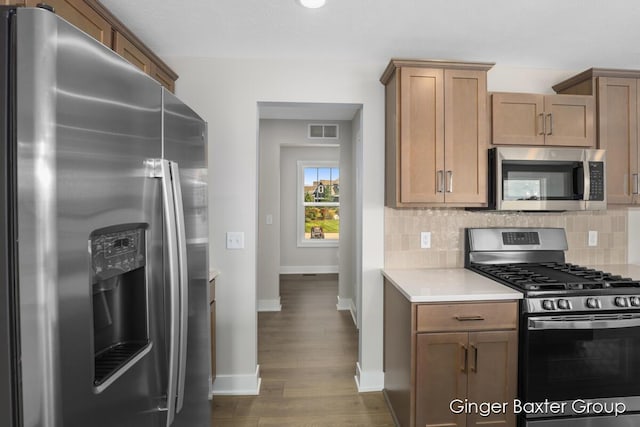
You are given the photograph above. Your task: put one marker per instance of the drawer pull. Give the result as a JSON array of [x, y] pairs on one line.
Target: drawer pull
[[468, 318]]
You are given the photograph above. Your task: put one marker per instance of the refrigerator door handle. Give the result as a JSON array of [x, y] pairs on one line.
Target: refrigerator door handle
[[184, 281], [162, 169]]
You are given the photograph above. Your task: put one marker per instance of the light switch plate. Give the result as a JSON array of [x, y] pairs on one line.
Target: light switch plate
[[593, 238], [425, 239], [235, 240], [269, 220]]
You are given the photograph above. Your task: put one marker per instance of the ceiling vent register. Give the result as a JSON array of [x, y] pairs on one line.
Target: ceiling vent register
[[318, 131]]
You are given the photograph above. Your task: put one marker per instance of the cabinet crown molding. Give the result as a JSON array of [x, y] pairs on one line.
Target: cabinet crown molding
[[595, 72], [396, 63]]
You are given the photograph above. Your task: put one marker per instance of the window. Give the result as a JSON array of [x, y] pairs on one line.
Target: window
[[319, 203]]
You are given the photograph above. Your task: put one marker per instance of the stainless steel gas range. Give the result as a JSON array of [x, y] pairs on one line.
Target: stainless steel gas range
[[579, 349]]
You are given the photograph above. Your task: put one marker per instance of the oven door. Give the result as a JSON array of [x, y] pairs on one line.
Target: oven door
[[582, 357]]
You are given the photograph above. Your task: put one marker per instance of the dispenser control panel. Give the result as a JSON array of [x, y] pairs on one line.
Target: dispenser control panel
[[117, 250]]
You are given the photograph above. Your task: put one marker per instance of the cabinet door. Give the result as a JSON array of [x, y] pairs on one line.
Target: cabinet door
[[569, 120], [465, 158], [618, 134], [421, 135], [78, 13], [517, 118], [163, 78], [131, 53], [441, 376], [493, 373]]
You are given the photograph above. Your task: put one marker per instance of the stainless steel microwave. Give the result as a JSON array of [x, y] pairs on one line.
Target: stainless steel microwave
[[547, 179]]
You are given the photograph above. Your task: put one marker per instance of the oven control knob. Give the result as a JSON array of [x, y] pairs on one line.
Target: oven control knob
[[634, 301], [564, 304], [621, 302], [548, 304], [593, 303]]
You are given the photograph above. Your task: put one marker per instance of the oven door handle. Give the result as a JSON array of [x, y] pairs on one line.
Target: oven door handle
[[539, 323]]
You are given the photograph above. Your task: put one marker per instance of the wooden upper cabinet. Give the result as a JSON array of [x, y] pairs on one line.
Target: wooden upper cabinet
[[436, 133], [82, 16], [517, 118], [534, 119], [617, 94], [131, 53], [569, 120], [163, 77], [421, 135], [94, 19], [466, 142], [618, 134]]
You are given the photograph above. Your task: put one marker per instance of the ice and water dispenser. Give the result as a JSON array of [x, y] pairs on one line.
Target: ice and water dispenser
[[120, 300]]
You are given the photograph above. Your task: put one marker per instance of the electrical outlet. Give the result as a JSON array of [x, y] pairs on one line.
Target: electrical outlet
[[425, 239], [593, 238], [235, 240]]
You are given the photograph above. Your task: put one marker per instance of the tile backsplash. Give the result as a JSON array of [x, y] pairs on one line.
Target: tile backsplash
[[403, 227]]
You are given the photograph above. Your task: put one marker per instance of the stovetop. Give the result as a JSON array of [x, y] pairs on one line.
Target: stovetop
[[532, 261], [556, 277]]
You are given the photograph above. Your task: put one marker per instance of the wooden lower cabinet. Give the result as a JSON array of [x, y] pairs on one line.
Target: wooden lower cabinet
[[477, 366], [469, 354]]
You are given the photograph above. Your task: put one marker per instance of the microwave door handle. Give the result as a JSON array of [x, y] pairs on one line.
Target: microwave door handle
[[161, 169], [588, 323], [181, 244], [587, 181]]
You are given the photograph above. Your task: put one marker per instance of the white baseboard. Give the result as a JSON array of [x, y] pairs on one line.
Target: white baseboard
[[368, 380], [237, 385], [269, 304], [347, 304], [344, 303], [308, 269]]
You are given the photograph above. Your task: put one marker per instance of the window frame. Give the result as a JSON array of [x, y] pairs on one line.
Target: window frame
[[301, 204]]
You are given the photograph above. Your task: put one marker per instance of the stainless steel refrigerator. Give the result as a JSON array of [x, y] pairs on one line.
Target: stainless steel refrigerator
[[103, 237]]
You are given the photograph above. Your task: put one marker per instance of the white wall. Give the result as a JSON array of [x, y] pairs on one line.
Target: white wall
[[226, 92]]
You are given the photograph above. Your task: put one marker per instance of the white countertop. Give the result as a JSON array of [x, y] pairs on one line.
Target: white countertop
[[448, 284]]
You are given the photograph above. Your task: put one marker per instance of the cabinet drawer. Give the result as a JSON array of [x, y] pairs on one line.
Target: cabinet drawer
[[466, 317]]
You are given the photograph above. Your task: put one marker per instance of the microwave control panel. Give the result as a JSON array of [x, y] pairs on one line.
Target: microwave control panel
[[596, 179]]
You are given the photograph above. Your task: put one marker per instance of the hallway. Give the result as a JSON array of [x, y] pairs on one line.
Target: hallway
[[307, 355]]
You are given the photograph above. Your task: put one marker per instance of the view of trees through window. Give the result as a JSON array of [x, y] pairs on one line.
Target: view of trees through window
[[321, 203]]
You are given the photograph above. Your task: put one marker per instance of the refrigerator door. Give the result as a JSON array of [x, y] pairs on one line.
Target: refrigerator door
[[184, 143], [9, 392], [87, 124]]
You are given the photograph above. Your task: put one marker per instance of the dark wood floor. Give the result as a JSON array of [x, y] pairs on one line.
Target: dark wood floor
[[307, 355]]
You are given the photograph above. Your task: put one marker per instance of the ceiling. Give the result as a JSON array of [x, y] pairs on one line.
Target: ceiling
[[558, 34]]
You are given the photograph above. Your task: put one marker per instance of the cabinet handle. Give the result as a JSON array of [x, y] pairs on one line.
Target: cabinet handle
[[440, 183], [634, 182], [468, 318], [474, 368], [541, 124], [464, 353], [450, 181], [550, 115]]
